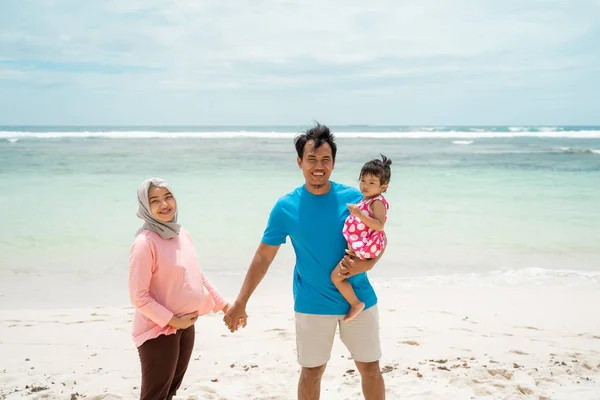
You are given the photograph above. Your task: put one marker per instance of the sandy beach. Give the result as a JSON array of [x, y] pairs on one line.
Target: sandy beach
[[456, 343], [489, 288]]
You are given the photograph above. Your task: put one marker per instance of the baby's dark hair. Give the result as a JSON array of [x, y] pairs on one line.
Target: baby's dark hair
[[379, 168]]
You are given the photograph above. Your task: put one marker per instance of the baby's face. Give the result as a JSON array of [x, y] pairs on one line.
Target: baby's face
[[370, 185]]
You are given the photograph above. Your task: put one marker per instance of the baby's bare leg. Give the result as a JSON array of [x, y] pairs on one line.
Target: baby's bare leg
[[345, 288]]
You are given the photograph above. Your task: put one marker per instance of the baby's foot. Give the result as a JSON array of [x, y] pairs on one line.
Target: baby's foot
[[355, 309]]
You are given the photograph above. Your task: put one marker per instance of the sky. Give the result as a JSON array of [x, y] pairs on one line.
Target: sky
[[261, 62]]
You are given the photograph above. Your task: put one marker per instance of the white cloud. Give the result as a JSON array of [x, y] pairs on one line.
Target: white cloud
[[188, 33], [345, 46]]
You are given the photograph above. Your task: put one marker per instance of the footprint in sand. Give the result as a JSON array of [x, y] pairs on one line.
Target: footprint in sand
[[389, 368], [519, 352], [207, 390], [533, 328], [410, 342], [525, 390], [482, 392], [84, 322], [416, 328], [466, 319], [461, 349], [461, 329], [500, 373], [282, 333], [543, 381]]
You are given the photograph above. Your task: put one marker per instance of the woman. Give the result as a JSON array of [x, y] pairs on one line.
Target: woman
[[169, 292]]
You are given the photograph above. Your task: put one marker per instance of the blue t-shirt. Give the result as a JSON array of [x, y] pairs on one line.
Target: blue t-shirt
[[314, 224]]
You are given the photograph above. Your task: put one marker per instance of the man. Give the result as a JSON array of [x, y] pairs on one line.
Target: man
[[313, 216]]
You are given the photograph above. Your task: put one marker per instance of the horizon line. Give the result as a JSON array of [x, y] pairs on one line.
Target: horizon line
[[292, 125]]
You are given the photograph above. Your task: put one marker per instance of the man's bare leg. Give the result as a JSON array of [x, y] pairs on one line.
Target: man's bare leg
[[373, 386], [309, 385]]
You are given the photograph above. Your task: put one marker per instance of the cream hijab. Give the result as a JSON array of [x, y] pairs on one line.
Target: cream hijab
[[166, 230]]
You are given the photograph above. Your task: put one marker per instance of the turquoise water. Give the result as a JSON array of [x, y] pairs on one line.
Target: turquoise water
[[524, 207]]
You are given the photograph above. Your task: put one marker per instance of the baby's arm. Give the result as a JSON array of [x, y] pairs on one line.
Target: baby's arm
[[378, 221]]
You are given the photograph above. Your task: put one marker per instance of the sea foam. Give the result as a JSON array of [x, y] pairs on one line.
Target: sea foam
[[421, 134]]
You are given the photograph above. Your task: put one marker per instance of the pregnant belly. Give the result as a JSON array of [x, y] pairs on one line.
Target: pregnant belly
[[190, 299]]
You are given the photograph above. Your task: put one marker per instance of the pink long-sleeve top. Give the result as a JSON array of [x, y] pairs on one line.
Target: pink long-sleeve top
[[165, 280]]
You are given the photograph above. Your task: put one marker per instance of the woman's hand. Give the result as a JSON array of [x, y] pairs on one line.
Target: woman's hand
[[185, 321]]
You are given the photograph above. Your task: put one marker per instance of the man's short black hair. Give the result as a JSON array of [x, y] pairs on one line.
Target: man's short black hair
[[319, 134]]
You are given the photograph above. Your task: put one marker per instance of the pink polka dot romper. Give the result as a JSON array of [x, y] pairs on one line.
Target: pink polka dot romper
[[364, 241]]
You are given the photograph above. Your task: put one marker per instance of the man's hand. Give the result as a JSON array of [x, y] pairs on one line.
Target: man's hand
[[185, 321], [235, 317], [352, 265]]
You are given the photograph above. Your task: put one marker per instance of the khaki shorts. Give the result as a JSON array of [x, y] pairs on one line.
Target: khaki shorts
[[315, 334]]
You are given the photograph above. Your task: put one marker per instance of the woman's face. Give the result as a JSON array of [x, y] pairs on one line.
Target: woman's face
[[162, 204]]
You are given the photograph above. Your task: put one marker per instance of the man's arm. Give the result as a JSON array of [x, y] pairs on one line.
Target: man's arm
[[352, 265], [263, 257]]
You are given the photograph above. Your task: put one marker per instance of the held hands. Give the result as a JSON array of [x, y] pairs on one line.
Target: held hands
[[232, 313], [235, 316], [185, 321]]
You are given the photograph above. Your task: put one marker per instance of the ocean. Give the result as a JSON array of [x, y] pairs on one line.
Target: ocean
[[469, 205]]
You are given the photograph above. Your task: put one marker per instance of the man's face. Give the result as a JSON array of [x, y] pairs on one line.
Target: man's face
[[316, 164]]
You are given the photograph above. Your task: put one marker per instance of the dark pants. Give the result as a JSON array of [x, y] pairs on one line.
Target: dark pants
[[164, 362]]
